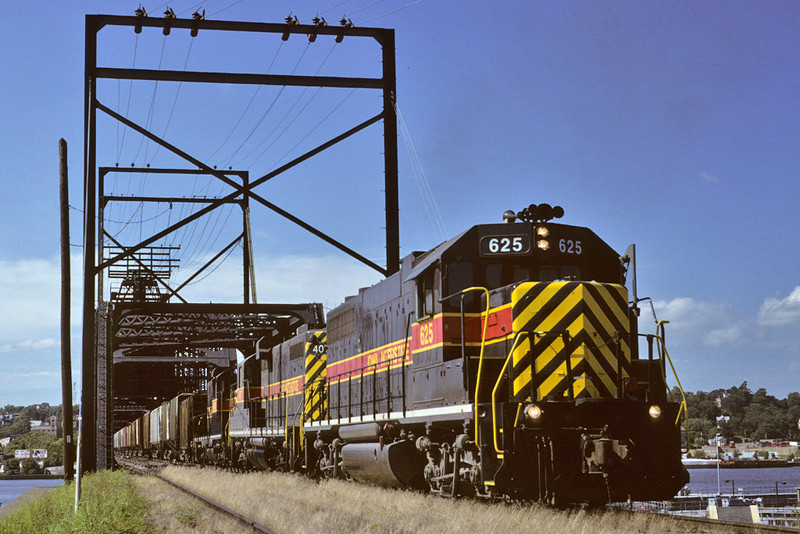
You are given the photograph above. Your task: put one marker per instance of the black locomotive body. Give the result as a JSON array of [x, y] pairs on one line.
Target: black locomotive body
[[502, 363]]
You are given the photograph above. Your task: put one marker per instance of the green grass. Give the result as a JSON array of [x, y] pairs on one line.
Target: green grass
[[110, 502]]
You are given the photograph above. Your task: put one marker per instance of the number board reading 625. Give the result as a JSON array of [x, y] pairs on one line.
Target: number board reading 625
[[505, 245]]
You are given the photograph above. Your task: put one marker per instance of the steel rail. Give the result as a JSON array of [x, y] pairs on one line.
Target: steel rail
[[734, 526], [215, 505], [220, 508]]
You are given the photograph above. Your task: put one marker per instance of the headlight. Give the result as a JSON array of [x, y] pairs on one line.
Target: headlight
[[543, 244], [533, 412], [542, 231], [655, 411]]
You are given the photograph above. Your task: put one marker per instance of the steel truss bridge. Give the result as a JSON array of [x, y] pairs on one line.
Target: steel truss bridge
[[147, 344]]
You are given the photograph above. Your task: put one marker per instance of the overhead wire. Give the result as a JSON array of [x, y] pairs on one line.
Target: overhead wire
[[171, 113], [206, 247], [351, 13], [428, 199], [217, 266], [247, 108], [299, 113], [127, 112], [144, 141], [106, 219], [265, 114], [227, 7], [337, 106], [174, 102], [391, 12], [193, 8]]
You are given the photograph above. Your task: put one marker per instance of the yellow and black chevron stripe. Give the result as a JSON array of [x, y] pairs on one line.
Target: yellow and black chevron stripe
[[595, 318], [315, 405]]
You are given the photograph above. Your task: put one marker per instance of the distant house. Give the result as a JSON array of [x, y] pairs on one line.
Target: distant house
[[52, 427], [7, 418]]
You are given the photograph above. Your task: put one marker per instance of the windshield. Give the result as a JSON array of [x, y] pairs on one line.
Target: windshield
[[492, 275]]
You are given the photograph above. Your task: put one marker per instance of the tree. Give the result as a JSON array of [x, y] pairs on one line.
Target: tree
[[735, 399], [55, 452], [11, 466], [21, 425], [701, 430], [30, 467], [761, 397], [701, 405], [31, 440]]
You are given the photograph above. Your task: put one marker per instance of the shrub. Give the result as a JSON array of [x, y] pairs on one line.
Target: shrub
[[11, 466], [30, 467]]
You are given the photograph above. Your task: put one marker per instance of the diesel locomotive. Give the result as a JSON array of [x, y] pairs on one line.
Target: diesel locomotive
[[506, 362]]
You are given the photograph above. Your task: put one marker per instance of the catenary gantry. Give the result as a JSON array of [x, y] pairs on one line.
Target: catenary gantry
[[144, 345]]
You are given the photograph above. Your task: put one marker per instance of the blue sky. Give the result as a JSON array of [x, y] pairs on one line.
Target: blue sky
[[672, 125]]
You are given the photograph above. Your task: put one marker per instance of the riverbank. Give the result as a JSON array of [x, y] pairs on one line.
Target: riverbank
[[30, 477], [110, 502], [739, 464]]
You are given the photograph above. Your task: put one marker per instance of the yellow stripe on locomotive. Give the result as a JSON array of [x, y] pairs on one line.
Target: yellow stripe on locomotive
[[580, 329], [315, 405]]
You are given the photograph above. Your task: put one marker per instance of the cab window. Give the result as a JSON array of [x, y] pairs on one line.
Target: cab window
[[459, 277], [425, 293]]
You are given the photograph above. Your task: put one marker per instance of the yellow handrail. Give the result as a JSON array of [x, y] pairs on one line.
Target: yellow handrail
[[682, 407], [480, 357], [497, 385]]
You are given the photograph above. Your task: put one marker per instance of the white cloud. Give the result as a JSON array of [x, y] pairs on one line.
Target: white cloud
[[708, 177], [36, 374], [693, 322], [780, 312], [31, 293], [288, 279], [28, 345], [724, 336]]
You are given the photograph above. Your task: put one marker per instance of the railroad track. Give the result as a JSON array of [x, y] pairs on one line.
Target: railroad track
[[731, 526], [153, 468], [692, 524]]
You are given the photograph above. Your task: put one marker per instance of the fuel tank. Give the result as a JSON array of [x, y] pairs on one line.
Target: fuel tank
[[395, 465]]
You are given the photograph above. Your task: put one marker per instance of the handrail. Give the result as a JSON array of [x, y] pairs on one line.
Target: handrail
[[500, 379], [372, 369], [480, 357], [680, 388], [682, 408]]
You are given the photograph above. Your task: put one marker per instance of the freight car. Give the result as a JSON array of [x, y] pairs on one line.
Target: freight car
[[505, 362]]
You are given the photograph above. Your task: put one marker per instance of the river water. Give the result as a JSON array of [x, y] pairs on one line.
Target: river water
[[11, 489], [747, 481]]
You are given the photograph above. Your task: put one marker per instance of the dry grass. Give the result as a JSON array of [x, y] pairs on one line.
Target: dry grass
[[173, 511], [292, 504]]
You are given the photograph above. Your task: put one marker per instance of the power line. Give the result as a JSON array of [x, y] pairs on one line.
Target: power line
[[315, 127], [365, 7], [392, 12], [224, 8], [264, 116], [244, 113], [303, 92], [426, 194], [174, 102]]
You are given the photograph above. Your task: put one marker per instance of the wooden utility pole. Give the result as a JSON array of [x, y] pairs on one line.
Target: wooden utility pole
[[66, 363]]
